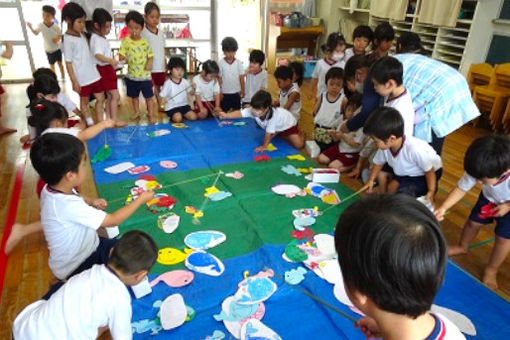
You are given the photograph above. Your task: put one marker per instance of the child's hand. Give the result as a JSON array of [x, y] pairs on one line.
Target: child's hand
[[439, 213], [146, 196], [29, 24], [355, 172], [501, 210], [55, 40], [223, 115], [114, 62], [217, 110], [430, 196], [24, 139], [261, 148], [241, 94], [368, 327], [99, 203], [76, 87], [120, 124], [370, 186]]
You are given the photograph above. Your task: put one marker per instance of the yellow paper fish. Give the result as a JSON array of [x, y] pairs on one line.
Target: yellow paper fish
[[305, 170], [170, 256], [198, 214], [189, 209], [210, 191], [270, 147], [296, 157]]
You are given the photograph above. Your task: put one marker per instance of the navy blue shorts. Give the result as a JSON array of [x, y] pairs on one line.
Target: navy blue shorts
[[502, 223], [231, 101], [99, 256], [180, 109], [53, 57], [415, 186], [134, 87]]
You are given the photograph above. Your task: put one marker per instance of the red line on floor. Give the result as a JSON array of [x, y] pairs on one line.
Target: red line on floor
[[11, 214]]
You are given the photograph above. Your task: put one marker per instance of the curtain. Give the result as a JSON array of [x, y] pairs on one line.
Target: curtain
[[391, 9], [439, 12]]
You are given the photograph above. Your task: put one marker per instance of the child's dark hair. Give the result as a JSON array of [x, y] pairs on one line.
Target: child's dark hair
[[210, 67], [55, 154], [354, 100], [299, 71], [46, 84], [363, 31], [31, 90], [257, 56], [283, 72], [334, 73], [386, 69], [44, 71], [136, 17], [353, 64], [101, 17], [43, 112], [384, 32], [151, 6], [72, 11], [134, 251], [488, 157], [384, 122], [409, 42], [49, 9], [261, 100], [229, 44], [176, 62], [405, 266], [334, 39]]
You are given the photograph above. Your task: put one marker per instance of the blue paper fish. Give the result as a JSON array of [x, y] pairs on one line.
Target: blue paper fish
[[146, 325], [217, 335], [290, 169], [205, 263], [220, 195], [236, 311], [255, 289], [295, 276], [206, 239], [301, 223]]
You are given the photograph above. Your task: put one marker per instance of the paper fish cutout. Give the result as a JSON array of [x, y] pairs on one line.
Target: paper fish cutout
[[234, 327], [301, 223], [119, 168], [101, 155], [233, 311], [305, 170], [161, 203], [306, 212], [168, 222], [190, 313], [270, 147], [255, 289], [326, 244], [168, 164], [220, 195], [147, 177], [217, 335], [139, 169], [173, 312], [198, 214], [330, 271], [235, 175], [142, 185], [159, 133], [262, 158], [170, 256], [462, 322], [295, 276], [211, 190], [297, 157], [306, 233], [202, 240], [423, 200], [204, 263], [327, 195], [179, 125], [254, 329], [290, 170], [174, 278], [145, 325], [487, 211], [286, 189], [294, 253], [239, 123], [225, 123], [190, 210]]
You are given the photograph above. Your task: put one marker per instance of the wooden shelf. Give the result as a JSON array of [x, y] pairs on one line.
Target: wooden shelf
[[358, 10]]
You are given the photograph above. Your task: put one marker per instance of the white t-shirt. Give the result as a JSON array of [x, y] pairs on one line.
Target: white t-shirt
[[179, 92], [414, 158], [348, 54], [254, 83], [70, 228], [404, 105], [157, 42], [100, 45], [230, 73], [280, 121], [329, 113], [497, 193], [50, 33], [445, 329], [87, 301], [358, 136], [295, 108], [206, 89], [70, 131], [77, 51], [321, 68]]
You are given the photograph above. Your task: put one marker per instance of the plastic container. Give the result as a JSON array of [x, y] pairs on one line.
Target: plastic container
[[309, 67]]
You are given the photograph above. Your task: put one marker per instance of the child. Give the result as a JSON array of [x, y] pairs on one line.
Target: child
[[487, 160], [69, 221], [7, 54], [231, 76], [106, 63], [156, 39], [256, 76], [137, 51], [51, 36], [175, 93], [361, 37], [299, 70], [207, 90], [333, 57], [345, 155], [328, 108], [417, 167], [100, 294], [383, 41], [80, 63], [274, 120], [289, 97], [395, 283], [387, 76]]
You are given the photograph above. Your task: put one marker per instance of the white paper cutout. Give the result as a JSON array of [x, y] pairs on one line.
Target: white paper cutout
[[173, 312], [119, 168]]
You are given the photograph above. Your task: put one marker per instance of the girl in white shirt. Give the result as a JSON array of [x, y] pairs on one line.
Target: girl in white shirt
[[207, 90], [106, 63], [289, 97], [274, 120]]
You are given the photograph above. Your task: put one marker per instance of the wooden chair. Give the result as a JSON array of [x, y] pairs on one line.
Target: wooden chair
[[479, 75]]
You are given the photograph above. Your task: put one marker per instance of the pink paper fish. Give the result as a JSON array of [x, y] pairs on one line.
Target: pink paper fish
[[174, 278]]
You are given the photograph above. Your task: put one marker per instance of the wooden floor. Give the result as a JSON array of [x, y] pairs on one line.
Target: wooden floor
[[27, 273]]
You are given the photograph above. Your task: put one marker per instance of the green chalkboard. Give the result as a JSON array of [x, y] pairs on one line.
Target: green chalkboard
[[499, 51], [505, 10]]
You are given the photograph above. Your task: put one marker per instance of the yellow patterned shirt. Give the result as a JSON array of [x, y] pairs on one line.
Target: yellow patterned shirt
[[137, 52]]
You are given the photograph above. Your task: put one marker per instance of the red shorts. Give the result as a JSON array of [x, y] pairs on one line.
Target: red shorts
[[108, 77], [210, 105], [290, 131], [95, 87], [158, 78], [346, 158]]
